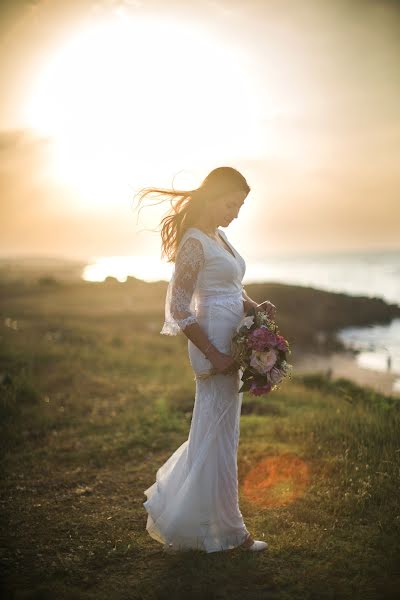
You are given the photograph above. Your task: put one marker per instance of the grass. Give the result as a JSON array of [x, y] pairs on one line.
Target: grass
[[93, 401]]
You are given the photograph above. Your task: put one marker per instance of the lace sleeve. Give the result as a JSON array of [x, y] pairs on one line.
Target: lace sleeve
[[179, 305]]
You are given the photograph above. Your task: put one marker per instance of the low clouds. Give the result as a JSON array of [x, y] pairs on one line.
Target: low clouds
[[22, 166], [34, 212], [39, 216], [26, 219], [337, 204]]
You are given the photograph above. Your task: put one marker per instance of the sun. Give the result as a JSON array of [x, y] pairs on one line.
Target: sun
[[134, 96]]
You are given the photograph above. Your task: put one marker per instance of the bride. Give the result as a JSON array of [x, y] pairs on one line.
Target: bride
[[193, 504]]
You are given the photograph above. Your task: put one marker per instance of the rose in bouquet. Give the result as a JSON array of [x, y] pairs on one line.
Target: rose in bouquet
[[262, 353]]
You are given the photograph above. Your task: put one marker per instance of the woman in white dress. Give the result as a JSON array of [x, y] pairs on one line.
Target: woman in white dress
[[193, 504]]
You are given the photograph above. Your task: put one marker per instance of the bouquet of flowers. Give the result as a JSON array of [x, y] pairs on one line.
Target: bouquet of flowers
[[261, 352]]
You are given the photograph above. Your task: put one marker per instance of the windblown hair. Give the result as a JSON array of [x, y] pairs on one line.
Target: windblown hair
[[187, 205]]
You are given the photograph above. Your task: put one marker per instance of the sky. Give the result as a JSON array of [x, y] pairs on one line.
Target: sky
[[102, 98]]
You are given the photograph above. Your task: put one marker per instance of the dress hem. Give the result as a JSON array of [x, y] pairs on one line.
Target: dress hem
[[207, 544]]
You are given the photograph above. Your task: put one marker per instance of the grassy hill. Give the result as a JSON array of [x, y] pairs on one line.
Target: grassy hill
[[94, 400]]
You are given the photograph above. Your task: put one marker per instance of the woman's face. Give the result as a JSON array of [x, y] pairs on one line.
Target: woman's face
[[227, 207]]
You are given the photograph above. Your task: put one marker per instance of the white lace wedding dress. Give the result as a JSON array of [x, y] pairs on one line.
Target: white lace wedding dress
[[193, 503]]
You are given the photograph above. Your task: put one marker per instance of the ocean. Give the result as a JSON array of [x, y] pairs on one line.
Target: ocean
[[368, 273], [372, 273]]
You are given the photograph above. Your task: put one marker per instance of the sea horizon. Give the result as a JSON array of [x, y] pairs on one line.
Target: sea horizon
[[369, 272]]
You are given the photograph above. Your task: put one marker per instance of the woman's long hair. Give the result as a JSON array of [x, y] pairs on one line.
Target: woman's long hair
[[187, 205]]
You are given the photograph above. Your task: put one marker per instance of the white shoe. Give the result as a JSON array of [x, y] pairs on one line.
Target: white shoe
[[256, 546]]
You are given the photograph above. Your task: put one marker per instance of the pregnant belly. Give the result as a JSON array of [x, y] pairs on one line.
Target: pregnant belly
[[219, 321]]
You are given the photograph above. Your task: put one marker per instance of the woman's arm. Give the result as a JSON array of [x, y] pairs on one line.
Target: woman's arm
[[266, 306], [247, 301], [188, 264]]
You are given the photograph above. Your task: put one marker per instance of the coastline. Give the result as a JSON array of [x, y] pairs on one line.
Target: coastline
[[344, 364], [308, 317]]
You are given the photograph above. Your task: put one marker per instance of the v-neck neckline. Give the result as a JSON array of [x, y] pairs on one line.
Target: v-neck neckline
[[225, 249]]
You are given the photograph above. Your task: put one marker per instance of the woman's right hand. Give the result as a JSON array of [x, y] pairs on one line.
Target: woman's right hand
[[223, 363]]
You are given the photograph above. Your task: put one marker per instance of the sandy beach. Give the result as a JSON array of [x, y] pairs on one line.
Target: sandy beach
[[344, 364]]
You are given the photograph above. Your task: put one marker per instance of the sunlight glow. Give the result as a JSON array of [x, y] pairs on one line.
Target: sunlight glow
[[136, 93], [147, 268]]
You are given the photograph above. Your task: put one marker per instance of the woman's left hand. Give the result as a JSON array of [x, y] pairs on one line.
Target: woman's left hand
[[267, 307]]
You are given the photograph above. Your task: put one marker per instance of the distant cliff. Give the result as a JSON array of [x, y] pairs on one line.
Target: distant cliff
[[309, 317]]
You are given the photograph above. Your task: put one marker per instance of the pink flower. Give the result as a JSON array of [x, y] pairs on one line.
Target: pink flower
[[275, 375], [260, 338], [281, 343], [263, 361], [259, 390]]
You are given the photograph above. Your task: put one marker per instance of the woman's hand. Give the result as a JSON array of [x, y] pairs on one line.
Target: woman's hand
[[267, 307], [223, 363]]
